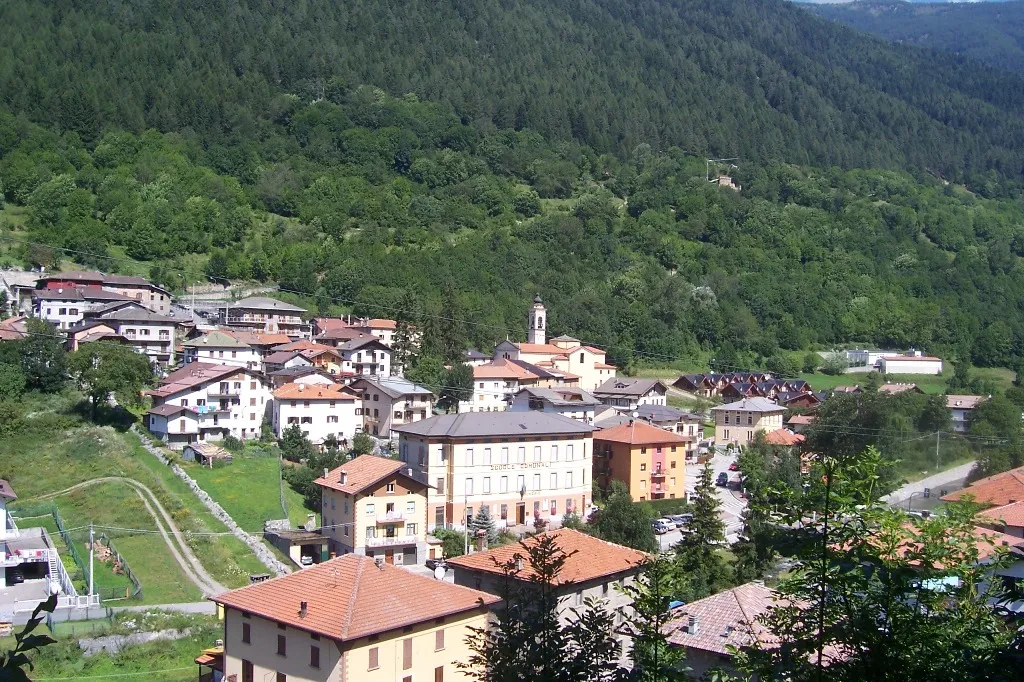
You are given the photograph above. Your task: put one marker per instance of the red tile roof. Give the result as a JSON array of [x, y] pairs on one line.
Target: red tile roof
[[893, 389], [362, 472], [377, 323], [194, 374], [725, 619], [315, 392], [804, 419], [352, 597], [6, 490], [541, 348], [499, 371], [963, 402], [997, 490], [783, 437], [1009, 514], [639, 433], [588, 557]]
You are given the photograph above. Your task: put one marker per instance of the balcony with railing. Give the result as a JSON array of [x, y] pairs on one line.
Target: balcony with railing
[[391, 517], [391, 541], [658, 474], [223, 392]]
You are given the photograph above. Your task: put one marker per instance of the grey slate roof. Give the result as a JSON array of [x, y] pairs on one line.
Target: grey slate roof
[[557, 396], [626, 386], [264, 303], [664, 413], [473, 354], [133, 314], [396, 387], [215, 339], [757, 404], [495, 425]]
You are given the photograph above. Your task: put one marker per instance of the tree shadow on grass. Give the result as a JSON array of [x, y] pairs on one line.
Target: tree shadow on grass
[[105, 415]]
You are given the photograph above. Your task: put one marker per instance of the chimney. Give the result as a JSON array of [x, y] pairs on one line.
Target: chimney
[[343, 477], [325, 472], [519, 563], [481, 540], [691, 627], [379, 561], [302, 609]]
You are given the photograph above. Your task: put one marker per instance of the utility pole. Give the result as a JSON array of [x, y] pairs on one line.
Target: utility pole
[[937, 434], [92, 553]]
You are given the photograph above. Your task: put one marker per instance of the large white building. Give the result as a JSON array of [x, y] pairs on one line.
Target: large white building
[[630, 393], [222, 348], [64, 308], [320, 411], [521, 465], [389, 402], [562, 353], [366, 355], [147, 332], [574, 403], [911, 363], [200, 402]]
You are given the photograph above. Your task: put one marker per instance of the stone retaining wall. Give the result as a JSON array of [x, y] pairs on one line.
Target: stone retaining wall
[[255, 544]]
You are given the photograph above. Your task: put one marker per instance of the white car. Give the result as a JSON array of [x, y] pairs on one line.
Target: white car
[[662, 526]]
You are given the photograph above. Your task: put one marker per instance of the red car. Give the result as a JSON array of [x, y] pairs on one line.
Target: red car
[[734, 467]]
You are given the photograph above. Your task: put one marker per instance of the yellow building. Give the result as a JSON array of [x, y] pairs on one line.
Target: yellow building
[[350, 618], [649, 460], [372, 506], [738, 422]]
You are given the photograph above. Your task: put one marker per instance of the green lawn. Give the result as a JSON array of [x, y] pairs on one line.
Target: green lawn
[[57, 450], [249, 489], [159, 661]]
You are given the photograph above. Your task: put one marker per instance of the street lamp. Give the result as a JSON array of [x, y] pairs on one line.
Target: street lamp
[[909, 499]]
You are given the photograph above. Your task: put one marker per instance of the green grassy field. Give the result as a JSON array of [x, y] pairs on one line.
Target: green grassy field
[[248, 489], [159, 661], [57, 450], [929, 383]]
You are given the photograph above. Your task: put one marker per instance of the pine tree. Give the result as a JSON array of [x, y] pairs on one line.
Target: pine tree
[[483, 522], [697, 553], [656, 586]]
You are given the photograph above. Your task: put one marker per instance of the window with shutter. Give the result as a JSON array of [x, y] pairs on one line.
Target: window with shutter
[[406, 653], [374, 661]]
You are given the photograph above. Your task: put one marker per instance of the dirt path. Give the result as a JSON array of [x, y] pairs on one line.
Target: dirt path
[[179, 548]]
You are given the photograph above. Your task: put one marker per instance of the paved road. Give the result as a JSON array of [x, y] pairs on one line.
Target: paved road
[[947, 478], [732, 504]]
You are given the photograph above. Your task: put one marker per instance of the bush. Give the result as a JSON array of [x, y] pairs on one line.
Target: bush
[[232, 444], [667, 506], [453, 543]]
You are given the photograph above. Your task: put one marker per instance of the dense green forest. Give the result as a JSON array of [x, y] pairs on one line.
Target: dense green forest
[[196, 139], [989, 32], [385, 204], [759, 79]]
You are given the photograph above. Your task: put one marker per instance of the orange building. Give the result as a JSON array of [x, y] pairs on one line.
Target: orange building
[[649, 460]]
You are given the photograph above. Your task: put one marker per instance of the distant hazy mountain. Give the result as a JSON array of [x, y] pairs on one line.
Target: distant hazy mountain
[[990, 32]]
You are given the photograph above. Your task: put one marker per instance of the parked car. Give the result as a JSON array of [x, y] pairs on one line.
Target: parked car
[[722, 480], [15, 577], [734, 466], [681, 519], [306, 560], [434, 563], [662, 526]]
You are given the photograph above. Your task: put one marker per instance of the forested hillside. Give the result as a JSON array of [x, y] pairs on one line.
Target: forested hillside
[[989, 32], [759, 79], [392, 206], [237, 139]]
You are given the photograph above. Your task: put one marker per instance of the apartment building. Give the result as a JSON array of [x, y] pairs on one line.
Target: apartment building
[[630, 393], [147, 332], [521, 465], [574, 403], [350, 618], [650, 461], [593, 569], [738, 422], [365, 355], [223, 400], [64, 308], [493, 387], [389, 402], [373, 506], [154, 298], [261, 314], [222, 348], [320, 411]]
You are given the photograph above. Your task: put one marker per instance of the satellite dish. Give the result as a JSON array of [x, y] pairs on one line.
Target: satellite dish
[[439, 572]]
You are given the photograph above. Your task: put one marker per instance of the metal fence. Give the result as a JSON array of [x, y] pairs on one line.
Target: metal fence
[[123, 563], [66, 536]]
